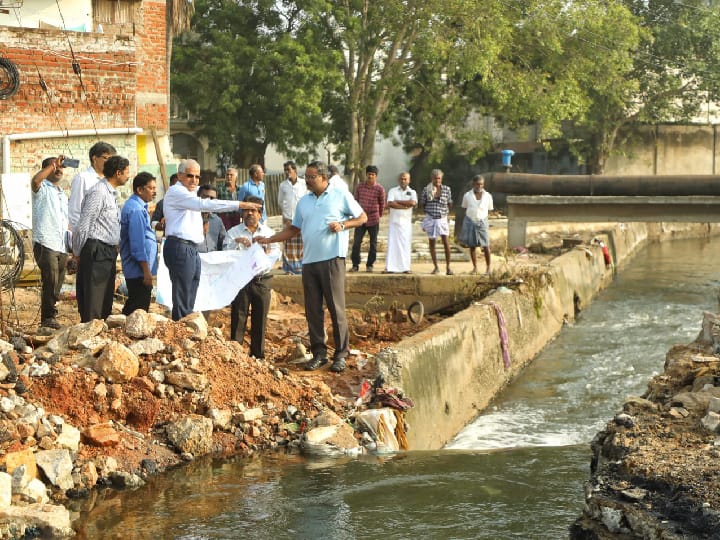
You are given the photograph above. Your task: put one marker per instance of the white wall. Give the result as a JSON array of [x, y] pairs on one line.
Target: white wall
[[77, 14]]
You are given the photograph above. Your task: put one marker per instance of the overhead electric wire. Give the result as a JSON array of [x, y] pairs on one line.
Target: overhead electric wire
[[77, 69]]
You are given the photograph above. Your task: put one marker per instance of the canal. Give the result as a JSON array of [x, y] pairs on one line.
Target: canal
[[516, 472]]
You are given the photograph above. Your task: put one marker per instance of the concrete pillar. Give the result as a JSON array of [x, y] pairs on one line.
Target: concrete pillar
[[516, 232]]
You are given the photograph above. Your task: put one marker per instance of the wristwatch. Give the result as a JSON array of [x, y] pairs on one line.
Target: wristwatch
[[342, 225]]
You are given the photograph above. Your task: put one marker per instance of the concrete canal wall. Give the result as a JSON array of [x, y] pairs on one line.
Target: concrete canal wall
[[455, 368]]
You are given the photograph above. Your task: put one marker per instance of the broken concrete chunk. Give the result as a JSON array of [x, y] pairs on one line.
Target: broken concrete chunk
[[117, 363]]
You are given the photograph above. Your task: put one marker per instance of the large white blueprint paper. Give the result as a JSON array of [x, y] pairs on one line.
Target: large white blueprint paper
[[222, 275]]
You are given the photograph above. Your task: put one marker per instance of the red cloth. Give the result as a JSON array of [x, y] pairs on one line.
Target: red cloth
[[372, 200]]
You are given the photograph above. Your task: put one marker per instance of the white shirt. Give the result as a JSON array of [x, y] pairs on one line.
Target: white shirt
[[401, 215], [338, 182], [477, 210], [81, 184], [288, 196], [262, 231], [182, 209]]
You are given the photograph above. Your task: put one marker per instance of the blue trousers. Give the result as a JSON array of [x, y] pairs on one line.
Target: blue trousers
[[183, 264]]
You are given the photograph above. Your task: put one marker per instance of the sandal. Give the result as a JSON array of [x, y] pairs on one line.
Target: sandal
[[435, 271], [450, 272]]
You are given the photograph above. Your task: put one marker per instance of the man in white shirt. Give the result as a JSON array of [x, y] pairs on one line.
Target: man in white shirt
[[84, 180], [184, 230], [401, 199], [337, 181], [255, 296], [291, 190], [475, 230]]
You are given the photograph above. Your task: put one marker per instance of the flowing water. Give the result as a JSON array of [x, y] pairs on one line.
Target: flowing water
[[516, 472]]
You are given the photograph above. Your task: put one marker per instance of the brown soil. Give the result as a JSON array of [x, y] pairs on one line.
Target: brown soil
[[236, 379]]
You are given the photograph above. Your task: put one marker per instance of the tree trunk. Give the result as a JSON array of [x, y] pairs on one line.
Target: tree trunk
[[250, 155]]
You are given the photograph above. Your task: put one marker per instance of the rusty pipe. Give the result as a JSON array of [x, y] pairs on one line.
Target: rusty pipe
[[593, 185]]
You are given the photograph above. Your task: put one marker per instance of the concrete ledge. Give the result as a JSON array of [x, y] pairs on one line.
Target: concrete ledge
[[454, 369]]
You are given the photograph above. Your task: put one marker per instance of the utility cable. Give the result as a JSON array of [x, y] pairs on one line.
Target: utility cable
[[77, 69]]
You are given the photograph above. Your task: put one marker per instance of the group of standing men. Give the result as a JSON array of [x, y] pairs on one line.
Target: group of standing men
[[436, 200], [317, 212]]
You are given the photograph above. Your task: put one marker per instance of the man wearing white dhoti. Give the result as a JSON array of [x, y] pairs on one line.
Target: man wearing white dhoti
[[401, 200]]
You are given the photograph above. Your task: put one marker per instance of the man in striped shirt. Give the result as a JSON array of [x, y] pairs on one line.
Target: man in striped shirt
[[371, 197], [95, 241]]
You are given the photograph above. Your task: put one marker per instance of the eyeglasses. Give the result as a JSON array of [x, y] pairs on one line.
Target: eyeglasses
[[311, 177]]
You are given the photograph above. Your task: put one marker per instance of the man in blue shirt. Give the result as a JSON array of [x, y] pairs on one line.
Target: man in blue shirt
[[323, 217], [255, 187], [50, 225], [138, 244]]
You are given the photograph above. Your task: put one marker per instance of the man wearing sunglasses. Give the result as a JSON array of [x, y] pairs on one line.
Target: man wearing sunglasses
[[184, 230]]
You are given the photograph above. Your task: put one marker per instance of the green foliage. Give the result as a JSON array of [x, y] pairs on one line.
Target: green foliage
[[248, 79]]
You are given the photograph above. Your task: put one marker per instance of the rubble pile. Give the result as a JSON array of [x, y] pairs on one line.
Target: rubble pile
[[107, 403], [655, 470]]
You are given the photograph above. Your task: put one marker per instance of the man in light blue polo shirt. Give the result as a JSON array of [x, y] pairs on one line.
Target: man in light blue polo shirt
[[323, 216], [50, 226]]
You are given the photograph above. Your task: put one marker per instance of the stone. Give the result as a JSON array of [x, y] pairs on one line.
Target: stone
[[336, 440], [149, 465], [106, 465], [139, 324], [49, 520], [69, 438], [678, 412], [197, 323], [6, 404], [711, 421], [117, 363], [34, 490], [102, 435], [157, 376], [4, 372], [25, 430], [100, 390], [714, 405], [5, 490], [250, 414], [45, 429], [57, 466], [116, 320], [88, 475], [147, 346], [58, 344], [192, 434], [624, 420], [221, 418], [83, 332], [39, 370], [5, 346], [126, 480], [159, 318], [190, 381], [326, 418], [26, 458], [93, 345], [695, 401]]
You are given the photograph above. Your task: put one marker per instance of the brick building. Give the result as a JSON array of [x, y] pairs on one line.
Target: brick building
[[79, 71]]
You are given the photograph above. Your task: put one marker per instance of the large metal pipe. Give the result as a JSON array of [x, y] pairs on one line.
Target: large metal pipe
[[592, 185]]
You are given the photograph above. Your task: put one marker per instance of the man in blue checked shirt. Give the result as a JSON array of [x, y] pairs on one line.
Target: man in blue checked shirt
[[138, 244], [50, 223]]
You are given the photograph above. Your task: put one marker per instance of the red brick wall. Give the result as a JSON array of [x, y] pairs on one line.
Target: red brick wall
[[109, 73], [152, 75]]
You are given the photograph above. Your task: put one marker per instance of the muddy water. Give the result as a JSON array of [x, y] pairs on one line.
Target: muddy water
[[516, 472]]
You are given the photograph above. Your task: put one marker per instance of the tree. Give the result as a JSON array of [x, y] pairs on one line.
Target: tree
[[674, 71], [385, 48], [248, 81]]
